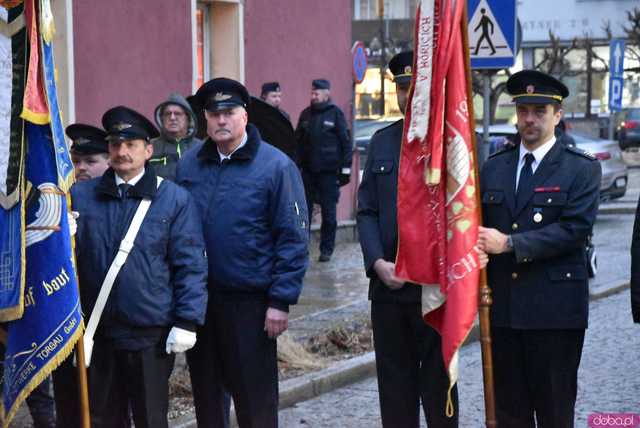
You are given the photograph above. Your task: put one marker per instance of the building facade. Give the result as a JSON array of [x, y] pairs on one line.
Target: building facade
[[137, 52]]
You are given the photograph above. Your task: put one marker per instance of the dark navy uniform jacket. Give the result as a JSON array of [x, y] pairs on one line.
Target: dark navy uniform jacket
[[163, 281], [377, 212], [254, 216], [543, 284], [324, 144]]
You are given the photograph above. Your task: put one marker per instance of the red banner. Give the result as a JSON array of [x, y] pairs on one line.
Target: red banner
[[35, 108], [438, 215]]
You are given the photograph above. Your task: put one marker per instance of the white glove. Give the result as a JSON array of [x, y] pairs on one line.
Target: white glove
[[71, 219], [180, 340]]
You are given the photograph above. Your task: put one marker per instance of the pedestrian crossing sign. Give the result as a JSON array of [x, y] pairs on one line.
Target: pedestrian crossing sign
[[492, 33]]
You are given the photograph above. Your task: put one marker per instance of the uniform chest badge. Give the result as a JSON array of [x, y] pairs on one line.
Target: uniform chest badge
[[537, 218]]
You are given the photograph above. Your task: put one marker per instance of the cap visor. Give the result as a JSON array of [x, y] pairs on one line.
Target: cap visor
[[534, 99], [222, 106]]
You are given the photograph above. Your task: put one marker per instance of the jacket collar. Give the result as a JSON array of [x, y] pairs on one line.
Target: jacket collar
[[209, 151], [146, 188]]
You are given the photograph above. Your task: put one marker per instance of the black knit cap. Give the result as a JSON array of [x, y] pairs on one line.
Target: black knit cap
[[270, 87], [321, 84]]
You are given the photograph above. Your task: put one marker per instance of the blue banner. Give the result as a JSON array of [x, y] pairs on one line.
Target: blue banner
[[63, 159], [52, 318], [11, 269]]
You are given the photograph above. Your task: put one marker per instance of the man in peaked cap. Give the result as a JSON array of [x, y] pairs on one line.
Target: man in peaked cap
[[409, 361], [539, 202], [251, 199], [324, 153], [159, 295], [89, 151], [90, 157]]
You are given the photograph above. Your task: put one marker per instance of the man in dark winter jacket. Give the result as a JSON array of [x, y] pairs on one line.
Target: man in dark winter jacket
[[324, 153], [271, 93], [178, 126], [251, 201], [159, 295]]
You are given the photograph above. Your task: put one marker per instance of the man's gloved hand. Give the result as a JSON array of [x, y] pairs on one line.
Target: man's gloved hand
[[344, 176], [71, 219], [180, 340]]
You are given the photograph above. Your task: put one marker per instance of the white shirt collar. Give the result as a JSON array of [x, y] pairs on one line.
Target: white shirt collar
[[242, 143], [538, 153], [133, 181]]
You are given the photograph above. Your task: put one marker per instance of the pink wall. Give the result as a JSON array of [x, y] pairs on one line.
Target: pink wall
[[294, 43], [130, 52]]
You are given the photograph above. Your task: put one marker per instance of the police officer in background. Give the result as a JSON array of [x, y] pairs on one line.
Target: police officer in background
[[324, 153], [271, 94], [159, 295], [408, 352], [251, 200], [539, 202], [89, 151]]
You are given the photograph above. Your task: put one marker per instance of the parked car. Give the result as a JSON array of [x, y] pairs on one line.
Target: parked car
[[614, 171], [629, 128], [364, 130]]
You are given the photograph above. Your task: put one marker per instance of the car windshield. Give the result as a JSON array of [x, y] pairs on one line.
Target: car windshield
[[366, 129], [633, 113]]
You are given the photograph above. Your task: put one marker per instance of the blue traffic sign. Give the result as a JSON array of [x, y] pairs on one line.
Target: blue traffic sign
[[616, 57], [616, 71], [492, 33], [615, 93], [359, 61]]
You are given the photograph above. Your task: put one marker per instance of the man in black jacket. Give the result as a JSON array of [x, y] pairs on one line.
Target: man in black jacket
[[409, 359], [324, 153]]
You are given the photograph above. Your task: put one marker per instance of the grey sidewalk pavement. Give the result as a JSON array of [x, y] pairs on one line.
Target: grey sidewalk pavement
[[336, 292]]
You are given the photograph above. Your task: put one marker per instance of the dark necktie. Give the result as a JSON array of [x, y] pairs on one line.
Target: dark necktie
[[526, 177], [123, 188]]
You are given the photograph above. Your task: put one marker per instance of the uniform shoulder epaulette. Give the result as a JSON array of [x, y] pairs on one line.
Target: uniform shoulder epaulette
[[386, 128], [581, 152], [505, 149]]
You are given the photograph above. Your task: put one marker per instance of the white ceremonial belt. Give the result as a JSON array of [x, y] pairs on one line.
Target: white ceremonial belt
[[126, 245]]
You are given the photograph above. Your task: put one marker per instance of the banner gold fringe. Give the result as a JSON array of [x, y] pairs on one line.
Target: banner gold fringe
[[33, 117], [42, 374]]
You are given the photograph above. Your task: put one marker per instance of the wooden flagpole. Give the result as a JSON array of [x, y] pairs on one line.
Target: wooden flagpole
[[485, 291], [81, 369], [82, 384]]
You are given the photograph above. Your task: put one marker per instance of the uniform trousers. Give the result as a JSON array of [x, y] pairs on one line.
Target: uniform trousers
[[120, 378], [536, 373], [241, 360], [323, 188], [410, 368]]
